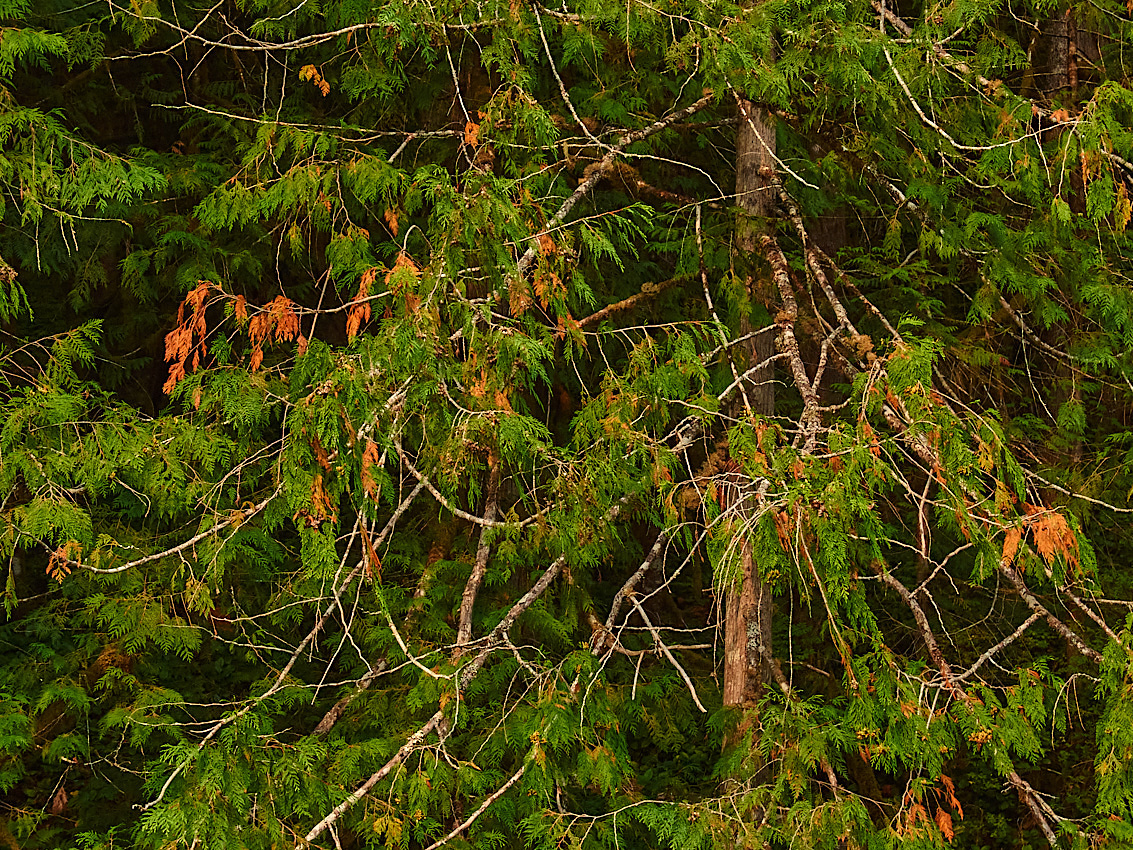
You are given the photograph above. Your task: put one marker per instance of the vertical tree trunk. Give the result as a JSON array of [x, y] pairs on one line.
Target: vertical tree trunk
[[747, 623]]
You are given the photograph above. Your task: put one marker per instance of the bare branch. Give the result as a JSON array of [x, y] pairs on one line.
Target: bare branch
[[495, 795], [483, 551]]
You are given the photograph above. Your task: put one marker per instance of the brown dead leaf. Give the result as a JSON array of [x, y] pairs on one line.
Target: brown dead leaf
[[404, 261], [370, 458], [373, 562], [355, 318], [944, 821], [62, 559], [179, 343], [568, 324], [320, 453], [1053, 536], [471, 133], [59, 801], [519, 297], [874, 446], [950, 788], [390, 215], [783, 529], [310, 72], [1010, 546], [323, 508], [479, 386]]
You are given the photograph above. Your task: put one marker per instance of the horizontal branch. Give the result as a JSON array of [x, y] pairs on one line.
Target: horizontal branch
[[649, 290], [241, 517]]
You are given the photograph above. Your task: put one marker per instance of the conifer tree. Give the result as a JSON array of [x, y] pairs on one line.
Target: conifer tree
[[687, 424]]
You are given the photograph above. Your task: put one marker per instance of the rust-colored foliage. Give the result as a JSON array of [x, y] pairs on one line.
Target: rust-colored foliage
[[310, 72], [1011, 546], [371, 458], [322, 508], [1052, 534], [277, 322], [390, 216], [63, 558], [360, 311], [187, 338]]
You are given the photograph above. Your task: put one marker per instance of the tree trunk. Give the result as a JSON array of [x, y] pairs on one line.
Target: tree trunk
[[747, 623]]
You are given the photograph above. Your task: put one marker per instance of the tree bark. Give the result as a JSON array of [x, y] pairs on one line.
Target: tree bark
[[748, 608]]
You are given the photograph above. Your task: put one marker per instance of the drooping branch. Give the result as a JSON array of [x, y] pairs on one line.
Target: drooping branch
[[1027, 795], [377, 776], [281, 677], [238, 517]]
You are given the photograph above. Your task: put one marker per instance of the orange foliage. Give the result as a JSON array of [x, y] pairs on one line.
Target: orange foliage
[[360, 312], [277, 322], [1052, 534], [370, 459], [179, 342]]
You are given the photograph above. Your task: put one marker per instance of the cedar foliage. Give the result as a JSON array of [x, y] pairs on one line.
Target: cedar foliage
[[376, 451]]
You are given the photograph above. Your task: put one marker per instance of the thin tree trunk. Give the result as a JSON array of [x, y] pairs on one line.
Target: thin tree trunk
[[748, 609]]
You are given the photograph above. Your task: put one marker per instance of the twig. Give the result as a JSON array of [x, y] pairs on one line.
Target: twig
[[669, 655], [1003, 644], [239, 517], [811, 420], [499, 792], [630, 583], [453, 509], [1033, 603], [483, 551], [649, 290], [601, 169]]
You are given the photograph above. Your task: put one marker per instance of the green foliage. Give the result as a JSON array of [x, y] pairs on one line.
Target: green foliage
[[329, 330]]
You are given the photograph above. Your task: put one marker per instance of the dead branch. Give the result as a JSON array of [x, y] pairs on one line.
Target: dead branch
[[648, 291], [483, 551], [495, 795], [603, 166]]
